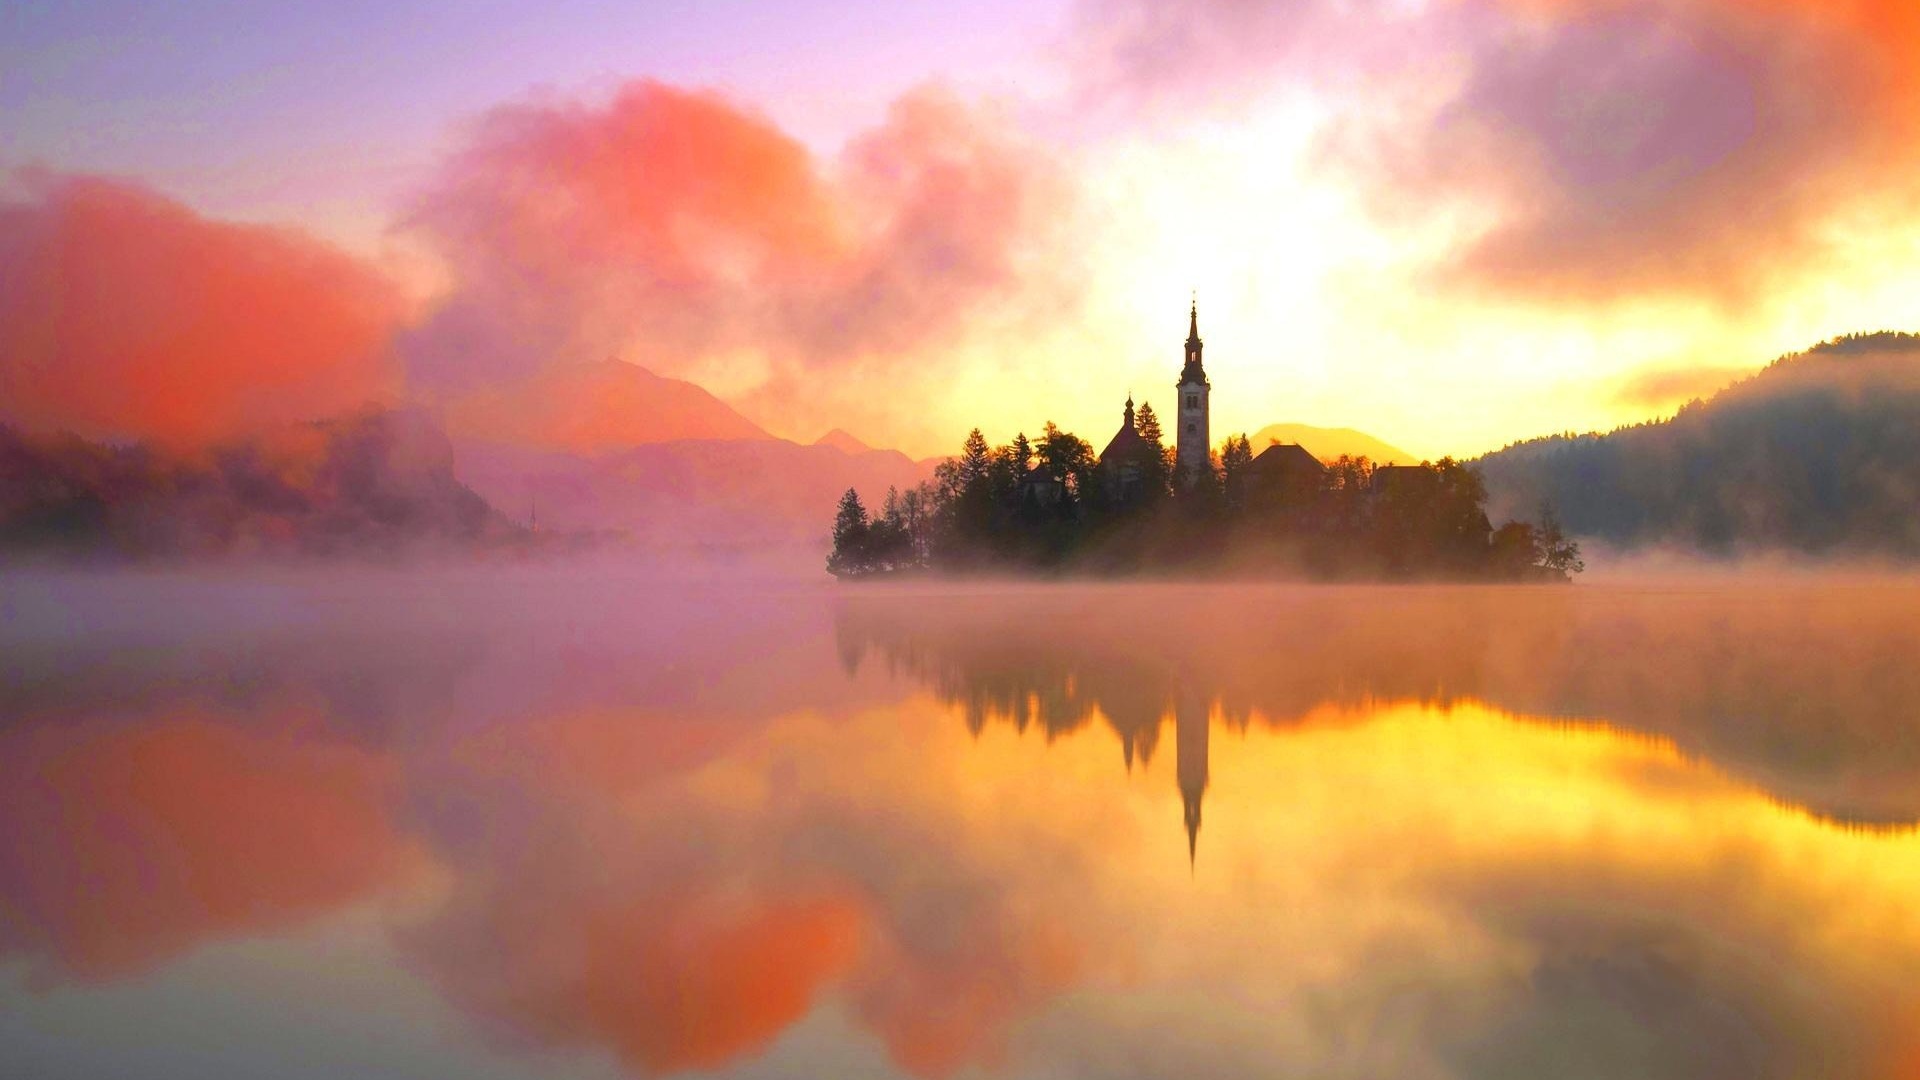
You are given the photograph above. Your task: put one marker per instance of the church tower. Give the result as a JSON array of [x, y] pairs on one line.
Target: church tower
[[1192, 713], [1193, 441]]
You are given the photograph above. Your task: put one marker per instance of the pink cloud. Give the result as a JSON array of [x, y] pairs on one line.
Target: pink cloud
[[123, 313], [669, 227]]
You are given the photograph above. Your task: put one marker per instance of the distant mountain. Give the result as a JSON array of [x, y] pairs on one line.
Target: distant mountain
[[840, 440], [737, 497], [1329, 443], [1819, 452], [589, 408], [614, 448], [376, 482]]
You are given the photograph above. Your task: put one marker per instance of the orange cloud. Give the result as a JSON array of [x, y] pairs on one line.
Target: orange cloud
[[671, 975], [125, 314], [615, 902], [676, 986], [677, 230], [121, 848]]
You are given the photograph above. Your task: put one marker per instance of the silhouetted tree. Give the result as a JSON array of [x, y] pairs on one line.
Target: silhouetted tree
[[1021, 453], [980, 511], [889, 544], [1148, 425], [1235, 455], [975, 459], [1068, 457], [1556, 552], [1156, 476], [850, 533], [1003, 473], [1515, 551]]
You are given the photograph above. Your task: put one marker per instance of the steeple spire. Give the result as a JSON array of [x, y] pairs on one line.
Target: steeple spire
[[1193, 372]]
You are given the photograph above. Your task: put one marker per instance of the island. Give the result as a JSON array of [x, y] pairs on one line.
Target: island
[[1141, 507]]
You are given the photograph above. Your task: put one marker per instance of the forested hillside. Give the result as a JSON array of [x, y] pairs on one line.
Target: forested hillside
[[372, 483], [1819, 453]]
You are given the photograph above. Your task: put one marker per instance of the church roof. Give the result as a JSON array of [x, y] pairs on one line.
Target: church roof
[[1284, 458], [1126, 445]]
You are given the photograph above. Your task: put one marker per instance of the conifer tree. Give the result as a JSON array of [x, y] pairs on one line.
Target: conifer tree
[[1022, 453], [975, 460], [1235, 456], [850, 529], [971, 481], [889, 546], [974, 467], [1159, 481], [1148, 425]]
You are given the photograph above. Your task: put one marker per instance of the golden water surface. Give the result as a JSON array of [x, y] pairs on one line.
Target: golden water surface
[[573, 823]]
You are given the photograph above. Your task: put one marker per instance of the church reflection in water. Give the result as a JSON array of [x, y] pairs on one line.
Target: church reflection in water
[[929, 831], [1017, 681], [1748, 684]]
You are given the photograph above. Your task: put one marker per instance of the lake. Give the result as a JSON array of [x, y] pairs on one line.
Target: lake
[[604, 822]]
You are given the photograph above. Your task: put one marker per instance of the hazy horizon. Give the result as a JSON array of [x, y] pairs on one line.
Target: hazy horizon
[[1449, 225]]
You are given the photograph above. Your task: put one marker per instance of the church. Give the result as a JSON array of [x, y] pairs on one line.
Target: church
[[1282, 474], [1129, 459]]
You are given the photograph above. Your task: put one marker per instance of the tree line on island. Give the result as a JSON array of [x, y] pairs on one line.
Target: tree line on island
[[1050, 505]]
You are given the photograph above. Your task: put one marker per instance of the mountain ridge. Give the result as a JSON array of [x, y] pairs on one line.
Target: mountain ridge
[[840, 439], [1330, 443], [1819, 452], [605, 405]]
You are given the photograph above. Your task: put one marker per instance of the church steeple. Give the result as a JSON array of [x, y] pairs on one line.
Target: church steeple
[[1192, 712], [1194, 372], [1193, 438]]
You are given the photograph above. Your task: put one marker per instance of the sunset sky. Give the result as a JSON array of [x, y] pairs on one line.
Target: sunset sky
[[1449, 223]]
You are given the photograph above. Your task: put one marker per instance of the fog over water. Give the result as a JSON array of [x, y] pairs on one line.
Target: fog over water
[[609, 821]]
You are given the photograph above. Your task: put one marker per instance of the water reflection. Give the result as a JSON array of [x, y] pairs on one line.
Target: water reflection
[[1806, 688], [619, 824]]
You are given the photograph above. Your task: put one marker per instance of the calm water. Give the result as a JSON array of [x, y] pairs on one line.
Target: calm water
[[596, 825]]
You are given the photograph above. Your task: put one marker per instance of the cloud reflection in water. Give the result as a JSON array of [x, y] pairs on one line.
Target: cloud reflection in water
[[1436, 832]]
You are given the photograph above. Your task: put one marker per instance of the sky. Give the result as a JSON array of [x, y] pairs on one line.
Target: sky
[[1448, 223]]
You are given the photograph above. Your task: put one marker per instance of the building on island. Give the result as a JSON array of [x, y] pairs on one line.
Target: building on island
[[1193, 438], [1040, 489], [1129, 461], [1284, 473], [1407, 478]]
